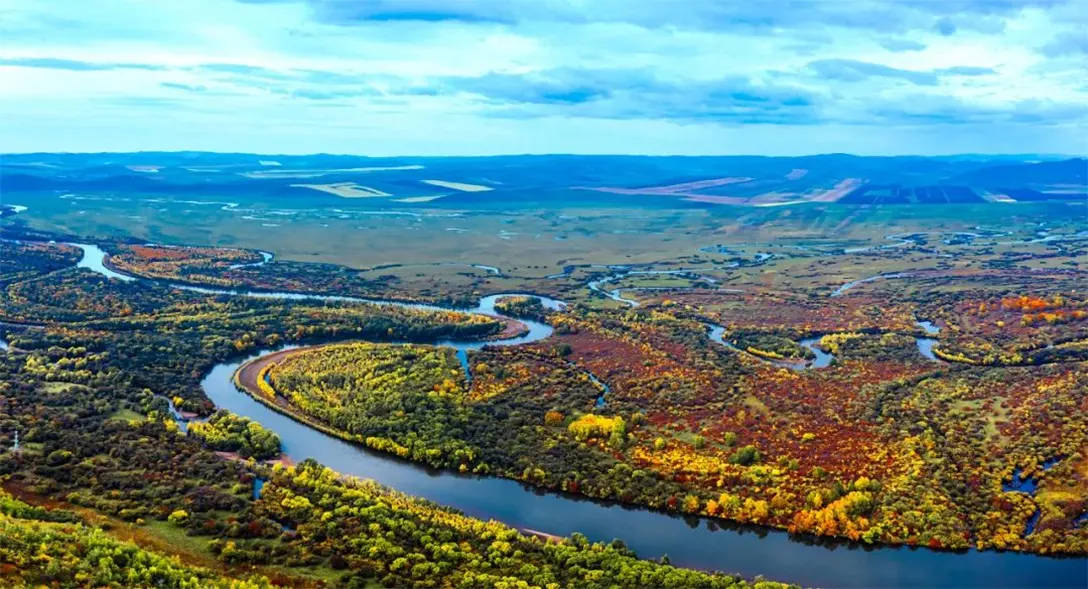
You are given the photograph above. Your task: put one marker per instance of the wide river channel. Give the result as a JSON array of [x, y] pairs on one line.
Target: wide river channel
[[690, 542]]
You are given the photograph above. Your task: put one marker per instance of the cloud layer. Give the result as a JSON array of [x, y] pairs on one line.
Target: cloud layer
[[513, 76]]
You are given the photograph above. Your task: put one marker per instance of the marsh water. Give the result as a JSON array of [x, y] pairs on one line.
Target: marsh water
[[925, 344], [690, 541], [621, 272], [821, 359]]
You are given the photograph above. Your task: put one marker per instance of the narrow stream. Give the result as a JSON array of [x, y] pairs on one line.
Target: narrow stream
[[94, 259], [623, 272], [842, 289], [266, 257], [1028, 486], [822, 359], [925, 344]]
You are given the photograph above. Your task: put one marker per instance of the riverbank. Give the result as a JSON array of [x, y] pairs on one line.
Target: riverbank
[[690, 541], [247, 376]]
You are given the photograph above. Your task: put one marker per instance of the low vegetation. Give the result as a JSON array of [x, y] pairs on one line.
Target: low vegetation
[[981, 446], [226, 432]]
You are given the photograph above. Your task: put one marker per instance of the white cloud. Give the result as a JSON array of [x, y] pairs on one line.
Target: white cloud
[[592, 76]]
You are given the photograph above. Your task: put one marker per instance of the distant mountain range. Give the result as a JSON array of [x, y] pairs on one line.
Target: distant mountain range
[[1071, 171], [463, 181]]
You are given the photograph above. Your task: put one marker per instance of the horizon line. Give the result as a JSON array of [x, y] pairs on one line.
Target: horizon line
[[550, 154]]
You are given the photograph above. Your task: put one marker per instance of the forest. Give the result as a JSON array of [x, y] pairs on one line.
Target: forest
[[520, 306], [146, 319], [980, 444], [837, 451], [115, 477], [39, 548], [105, 487], [226, 432]]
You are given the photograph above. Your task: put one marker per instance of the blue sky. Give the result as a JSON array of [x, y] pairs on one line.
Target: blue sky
[[456, 77]]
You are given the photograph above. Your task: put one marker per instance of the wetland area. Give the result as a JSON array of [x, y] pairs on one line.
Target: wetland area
[[827, 396], [690, 541]]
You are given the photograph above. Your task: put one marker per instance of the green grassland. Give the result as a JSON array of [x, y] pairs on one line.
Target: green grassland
[[414, 245]]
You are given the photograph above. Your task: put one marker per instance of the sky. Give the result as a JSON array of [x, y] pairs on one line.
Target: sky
[[478, 77]]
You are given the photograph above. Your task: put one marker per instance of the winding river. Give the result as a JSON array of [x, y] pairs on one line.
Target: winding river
[[842, 289], [691, 542], [821, 359], [266, 257], [624, 272], [925, 344]]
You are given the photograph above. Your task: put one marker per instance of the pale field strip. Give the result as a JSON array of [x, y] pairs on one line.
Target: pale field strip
[[774, 198], [419, 198], [345, 190], [996, 197], [463, 187], [684, 189], [779, 204], [840, 190]]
